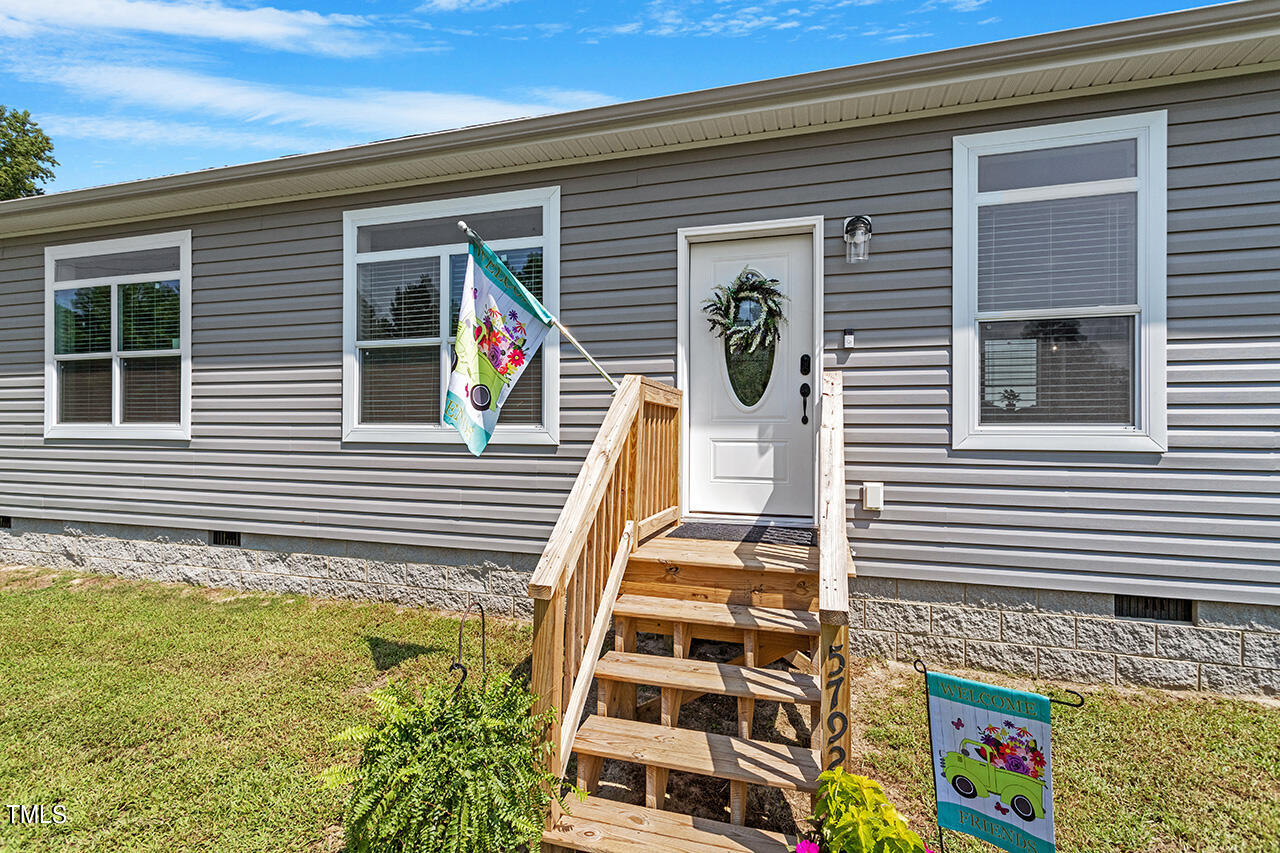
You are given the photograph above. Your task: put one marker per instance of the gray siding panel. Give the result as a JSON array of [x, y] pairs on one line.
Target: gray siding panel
[[266, 454]]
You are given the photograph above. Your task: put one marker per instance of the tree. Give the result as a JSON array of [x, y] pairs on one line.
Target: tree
[[26, 155]]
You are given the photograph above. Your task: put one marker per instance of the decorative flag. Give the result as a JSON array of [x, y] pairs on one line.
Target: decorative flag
[[991, 762], [500, 327]]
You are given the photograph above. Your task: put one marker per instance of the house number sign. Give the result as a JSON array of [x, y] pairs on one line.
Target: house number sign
[[835, 696], [837, 722]]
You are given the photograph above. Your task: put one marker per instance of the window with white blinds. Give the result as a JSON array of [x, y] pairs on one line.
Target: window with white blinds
[[1058, 299], [405, 268], [117, 338]]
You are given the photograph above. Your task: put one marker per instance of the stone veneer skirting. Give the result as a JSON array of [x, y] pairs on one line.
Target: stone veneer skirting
[[1068, 636], [1052, 634], [442, 578]]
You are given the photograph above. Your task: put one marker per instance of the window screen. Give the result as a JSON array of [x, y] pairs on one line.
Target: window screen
[[152, 390], [400, 385], [84, 391], [1057, 371]]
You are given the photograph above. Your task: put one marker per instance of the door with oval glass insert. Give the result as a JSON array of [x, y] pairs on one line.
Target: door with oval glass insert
[[751, 451]]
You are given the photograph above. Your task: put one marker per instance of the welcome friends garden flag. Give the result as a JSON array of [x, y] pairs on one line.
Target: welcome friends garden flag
[[500, 327], [992, 762]]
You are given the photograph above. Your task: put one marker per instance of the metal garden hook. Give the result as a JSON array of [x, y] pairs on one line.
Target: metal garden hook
[[484, 654]]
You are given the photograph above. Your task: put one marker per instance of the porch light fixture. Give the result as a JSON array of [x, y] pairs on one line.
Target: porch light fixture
[[857, 239]]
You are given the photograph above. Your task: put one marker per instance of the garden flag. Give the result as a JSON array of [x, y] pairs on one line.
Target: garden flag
[[500, 326], [991, 762]]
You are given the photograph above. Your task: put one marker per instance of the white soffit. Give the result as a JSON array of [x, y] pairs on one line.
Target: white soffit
[[1233, 38]]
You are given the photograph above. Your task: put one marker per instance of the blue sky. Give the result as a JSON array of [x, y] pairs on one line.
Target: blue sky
[[138, 88]]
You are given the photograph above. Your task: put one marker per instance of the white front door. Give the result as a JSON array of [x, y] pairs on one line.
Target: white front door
[[751, 452]]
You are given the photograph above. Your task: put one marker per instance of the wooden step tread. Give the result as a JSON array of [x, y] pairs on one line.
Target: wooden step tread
[[737, 759], [605, 826], [773, 685], [740, 616], [714, 553]]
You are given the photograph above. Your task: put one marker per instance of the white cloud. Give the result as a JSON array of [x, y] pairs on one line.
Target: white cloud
[[906, 36], [363, 113], [141, 131], [726, 18], [300, 31], [992, 20], [953, 5], [461, 5]]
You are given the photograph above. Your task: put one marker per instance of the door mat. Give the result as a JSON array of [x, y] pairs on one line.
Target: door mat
[[767, 534]]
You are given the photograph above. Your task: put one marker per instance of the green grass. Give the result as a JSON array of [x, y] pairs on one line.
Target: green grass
[[169, 718], [1140, 771]]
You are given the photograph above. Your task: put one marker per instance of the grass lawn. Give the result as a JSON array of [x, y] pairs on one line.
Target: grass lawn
[[172, 718], [1142, 771]]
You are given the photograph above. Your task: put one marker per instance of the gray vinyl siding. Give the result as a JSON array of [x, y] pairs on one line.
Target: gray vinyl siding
[[266, 454]]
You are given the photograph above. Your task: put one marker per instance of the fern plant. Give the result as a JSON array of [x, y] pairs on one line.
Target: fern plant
[[761, 330], [446, 773], [857, 817]]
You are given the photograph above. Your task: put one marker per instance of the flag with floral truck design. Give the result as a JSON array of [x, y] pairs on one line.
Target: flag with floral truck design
[[500, 327], [992, 762]]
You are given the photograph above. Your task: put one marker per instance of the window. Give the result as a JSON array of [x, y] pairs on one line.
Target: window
[[1059, 287], [118, 338], [403, 279]]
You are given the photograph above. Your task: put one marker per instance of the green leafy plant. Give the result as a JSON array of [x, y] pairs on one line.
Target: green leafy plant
[[747, 331], [26, 155], [448, 773], [857, 817]]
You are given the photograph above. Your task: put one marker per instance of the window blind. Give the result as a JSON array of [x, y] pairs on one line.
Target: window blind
[[84, 391], [82, 320], [1063, 253], [400, 385], [398, 299], [151, 390], [150, 316]]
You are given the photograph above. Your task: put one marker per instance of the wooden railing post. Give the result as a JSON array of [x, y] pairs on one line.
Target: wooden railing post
[[548, 676], [834, 569]]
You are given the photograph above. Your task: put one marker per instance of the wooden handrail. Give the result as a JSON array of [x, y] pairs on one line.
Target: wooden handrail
[[835, 563], [835, 566], [628, 488]]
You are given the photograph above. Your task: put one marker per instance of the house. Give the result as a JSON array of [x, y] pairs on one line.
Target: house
[[1059, 361]]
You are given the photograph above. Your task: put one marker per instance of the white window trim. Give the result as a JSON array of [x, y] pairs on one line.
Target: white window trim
[[1150, 434], [548, 198], [175, 432]]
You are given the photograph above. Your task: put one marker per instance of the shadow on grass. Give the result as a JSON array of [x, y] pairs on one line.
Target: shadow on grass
[[389, 653]]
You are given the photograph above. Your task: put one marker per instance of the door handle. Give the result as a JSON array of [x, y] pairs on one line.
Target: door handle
[[805, 390]]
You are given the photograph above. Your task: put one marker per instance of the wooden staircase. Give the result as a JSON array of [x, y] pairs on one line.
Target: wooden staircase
[[779, 602]]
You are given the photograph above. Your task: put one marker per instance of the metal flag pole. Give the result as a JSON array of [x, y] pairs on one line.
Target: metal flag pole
[[555, 321]]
